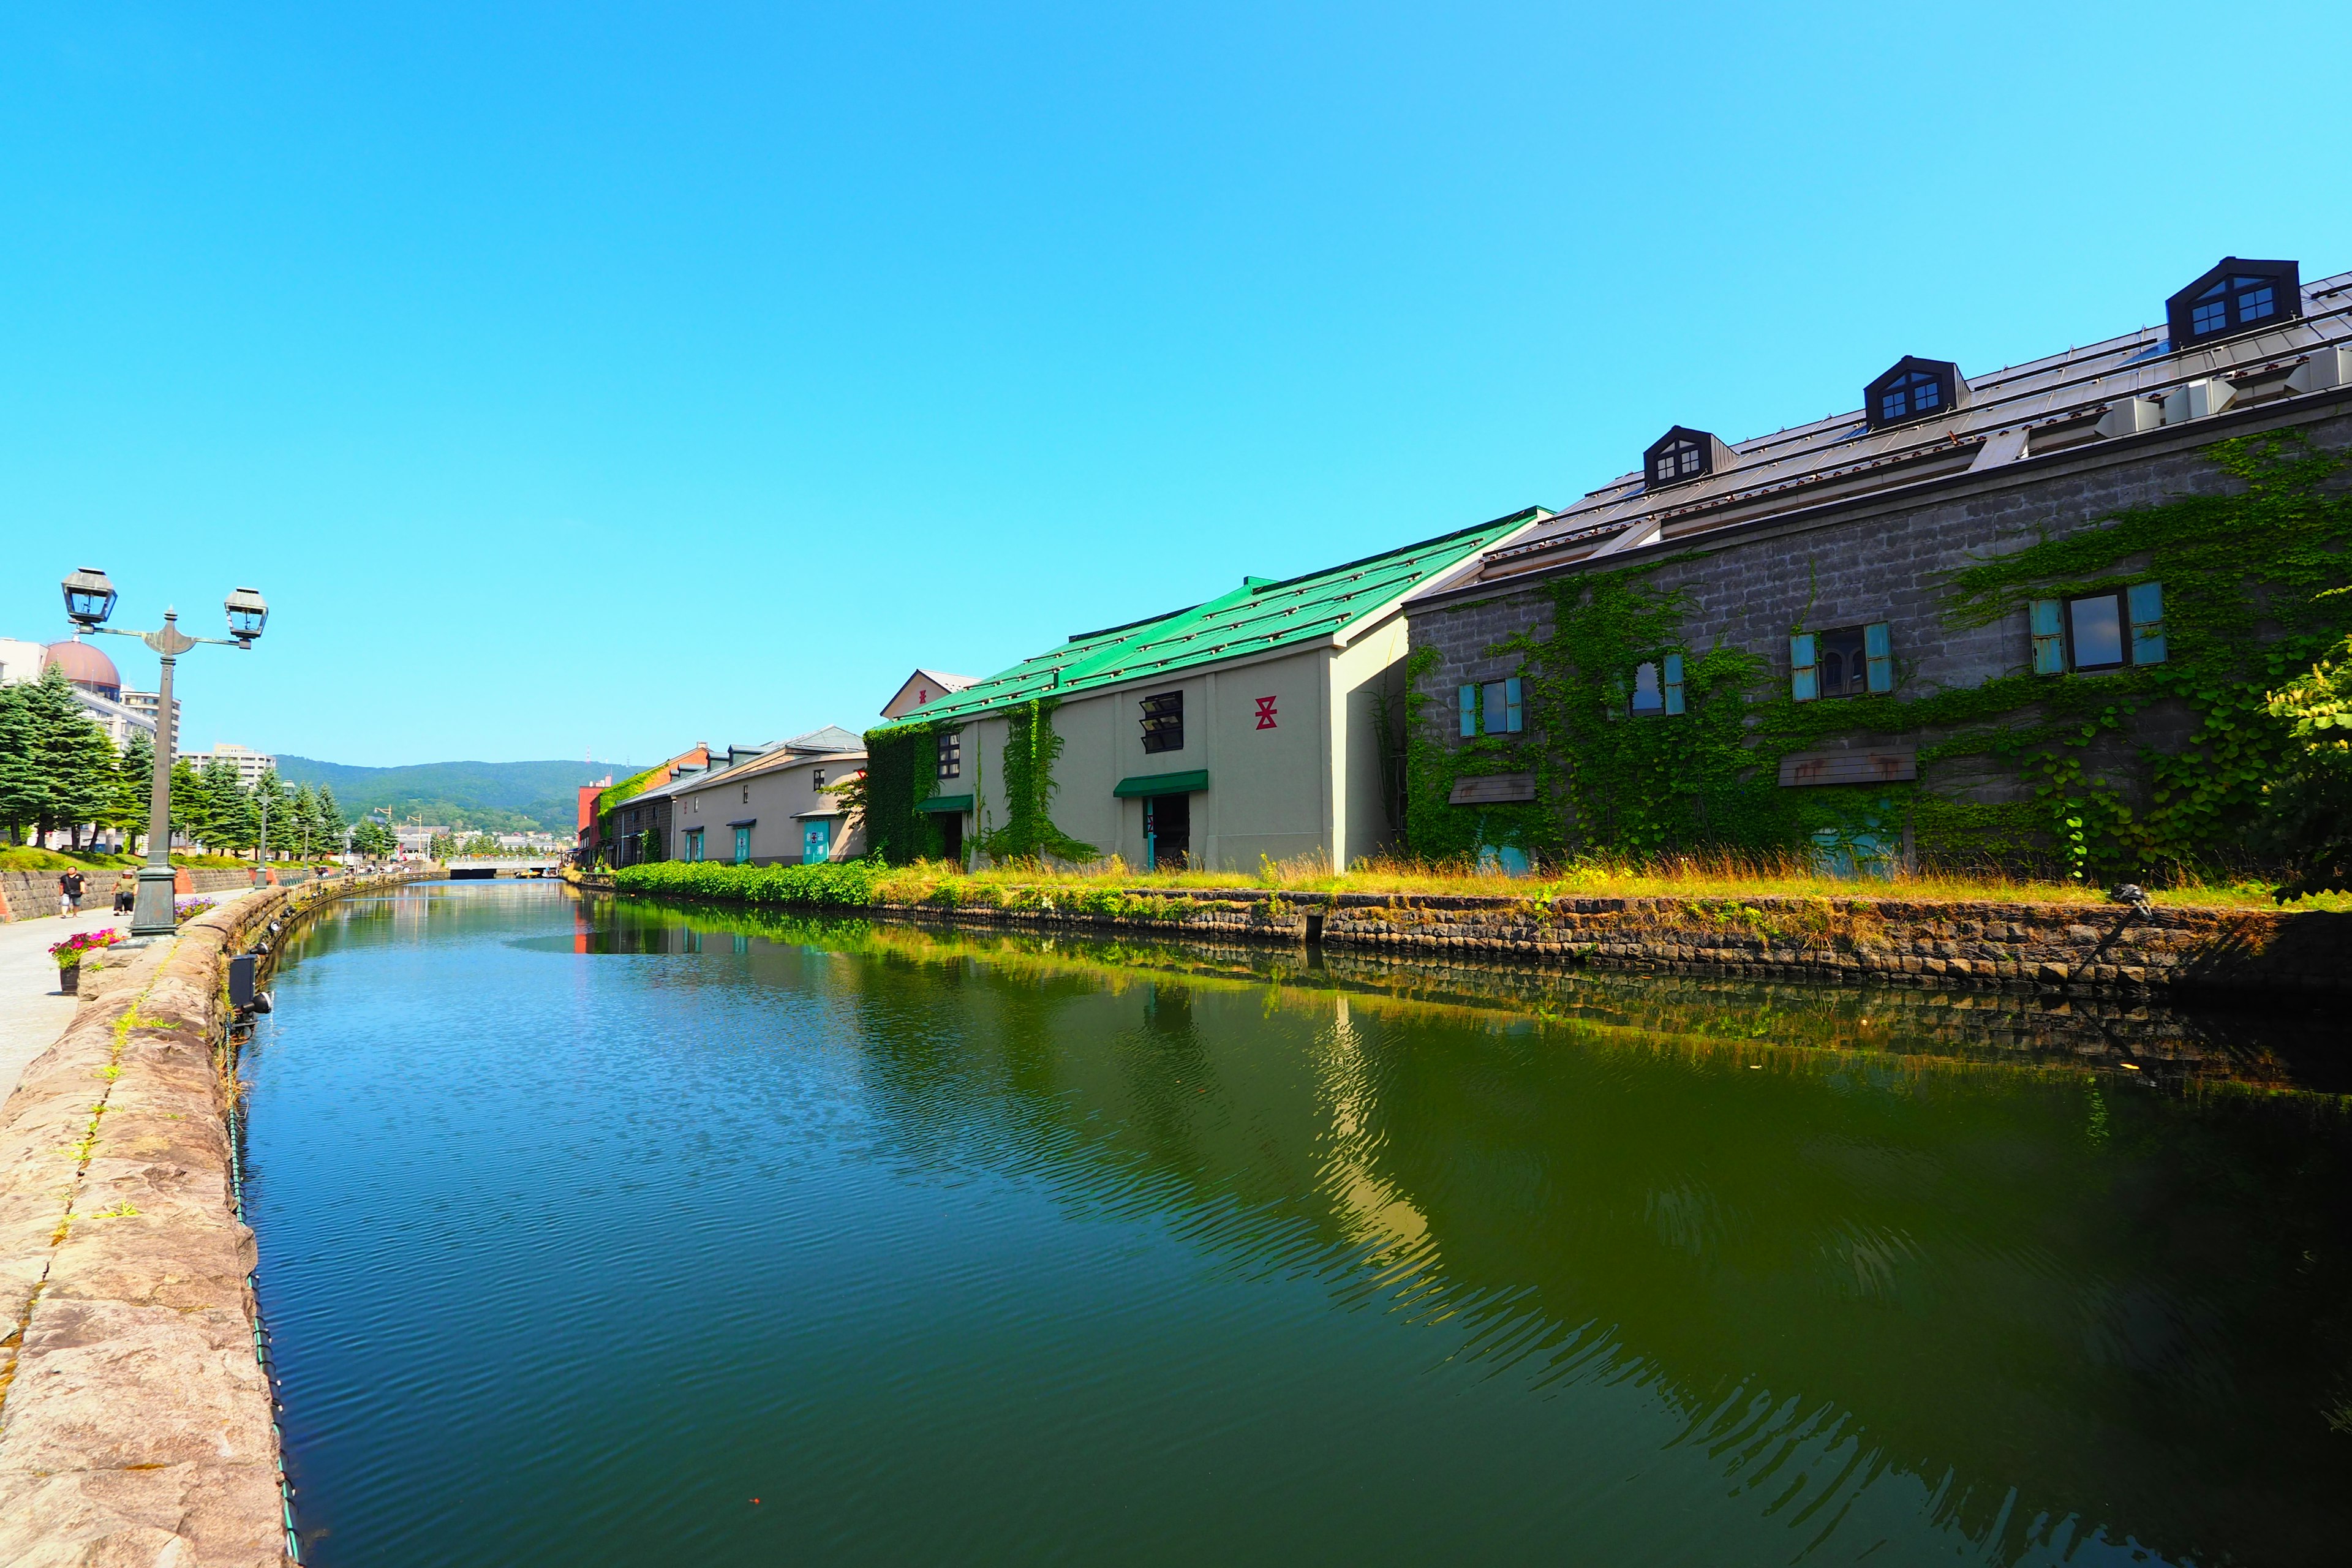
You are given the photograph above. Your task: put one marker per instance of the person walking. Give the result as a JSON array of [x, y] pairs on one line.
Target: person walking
[[69, 887], [126, 893]]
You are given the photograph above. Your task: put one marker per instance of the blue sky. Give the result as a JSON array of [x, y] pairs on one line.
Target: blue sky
[[600, 379]]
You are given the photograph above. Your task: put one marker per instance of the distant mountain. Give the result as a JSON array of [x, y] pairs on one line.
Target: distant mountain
[[499, 797]]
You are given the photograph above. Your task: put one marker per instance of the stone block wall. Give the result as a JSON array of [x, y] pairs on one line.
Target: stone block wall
[[1890, 559], [2091, 951]]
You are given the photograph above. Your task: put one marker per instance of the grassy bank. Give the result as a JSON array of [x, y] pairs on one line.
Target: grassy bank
[[21, 858], [1112, 887]]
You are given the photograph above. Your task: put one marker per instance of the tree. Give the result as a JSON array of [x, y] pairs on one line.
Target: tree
[[374, 840], [230, 822], [306, 819], [134, 788], [190, 805], [21, 794], [2307, 817], [70, 757], [274, 815], [328, 822]]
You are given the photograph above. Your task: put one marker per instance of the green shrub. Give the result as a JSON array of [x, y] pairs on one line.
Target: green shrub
[[845, 884]]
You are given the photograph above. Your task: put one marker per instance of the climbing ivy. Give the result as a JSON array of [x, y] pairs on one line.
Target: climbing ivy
[[1031, 750], [901, 773], [2247, 580]]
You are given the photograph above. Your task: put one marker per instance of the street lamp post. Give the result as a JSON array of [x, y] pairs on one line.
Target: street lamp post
[[89, 599]]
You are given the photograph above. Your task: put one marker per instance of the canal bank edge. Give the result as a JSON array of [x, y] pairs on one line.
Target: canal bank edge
[[2095, 951], [137, 1421]]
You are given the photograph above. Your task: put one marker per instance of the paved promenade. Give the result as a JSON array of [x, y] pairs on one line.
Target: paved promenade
[[33, 1011]]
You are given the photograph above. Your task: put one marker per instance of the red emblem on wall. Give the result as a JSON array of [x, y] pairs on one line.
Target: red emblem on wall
[[1266, 713]]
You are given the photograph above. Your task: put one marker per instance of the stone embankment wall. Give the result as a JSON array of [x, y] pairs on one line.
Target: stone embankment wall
[[2108, 950], [136, 1417], [24, 895]]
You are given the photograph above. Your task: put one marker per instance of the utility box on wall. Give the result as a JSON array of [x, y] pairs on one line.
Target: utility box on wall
[[240, 981]]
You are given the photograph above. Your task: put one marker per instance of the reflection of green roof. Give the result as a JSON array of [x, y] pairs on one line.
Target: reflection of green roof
[[1260, 617]]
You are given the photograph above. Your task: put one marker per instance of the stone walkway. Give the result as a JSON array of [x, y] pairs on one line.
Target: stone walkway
[[33, 1011]]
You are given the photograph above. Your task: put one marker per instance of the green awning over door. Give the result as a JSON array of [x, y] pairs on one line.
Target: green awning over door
[[1163, 784], [947, 804]]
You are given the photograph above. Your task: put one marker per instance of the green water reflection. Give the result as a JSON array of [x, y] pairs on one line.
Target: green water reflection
[[1671, 1271]]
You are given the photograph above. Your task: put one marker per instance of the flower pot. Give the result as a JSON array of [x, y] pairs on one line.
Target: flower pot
[[70, 980]]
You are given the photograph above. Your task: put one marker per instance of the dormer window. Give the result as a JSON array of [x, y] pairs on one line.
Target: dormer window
[[1683, 460], [1681, 456], [2235, 297], [1913, 388], [1918, 393]]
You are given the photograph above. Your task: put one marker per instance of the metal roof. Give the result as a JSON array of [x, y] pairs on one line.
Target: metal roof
[[2042, 405], [832, 738], [1260, 617]]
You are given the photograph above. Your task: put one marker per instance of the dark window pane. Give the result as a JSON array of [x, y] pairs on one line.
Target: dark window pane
[[1491, 709], [1927, 395], [2098, 632], [2210, 318], [1689, 461], [1892, 406], [1841, 656], [2216, 291], [2253, 306]]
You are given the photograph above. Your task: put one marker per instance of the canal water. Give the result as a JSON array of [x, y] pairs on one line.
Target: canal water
[[606, 1232]]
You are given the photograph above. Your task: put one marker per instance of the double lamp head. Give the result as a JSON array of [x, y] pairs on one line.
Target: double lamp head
[[89, 599]]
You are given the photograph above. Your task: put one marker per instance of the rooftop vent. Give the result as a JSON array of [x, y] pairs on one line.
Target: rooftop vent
[[1913, 389], [2236, 296], [2325, 368], [1681, 455]]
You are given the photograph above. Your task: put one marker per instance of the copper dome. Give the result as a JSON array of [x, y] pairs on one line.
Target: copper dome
[[86, 668]]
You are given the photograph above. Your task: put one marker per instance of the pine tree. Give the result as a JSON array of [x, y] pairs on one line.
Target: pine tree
[[231, 825], [273, 813], [20, 781], [72, 756], [134, 788], [306, 820], [190, 805], [330, 818]]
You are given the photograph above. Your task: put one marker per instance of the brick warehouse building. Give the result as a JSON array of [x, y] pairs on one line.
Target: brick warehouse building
[[1886, 632]]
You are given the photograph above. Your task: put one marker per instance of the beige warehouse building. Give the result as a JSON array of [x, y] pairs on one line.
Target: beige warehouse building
[[1247, 727]]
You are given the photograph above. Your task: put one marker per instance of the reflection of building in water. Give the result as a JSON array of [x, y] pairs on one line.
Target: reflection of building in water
[[409, 911], [1374, 1206]]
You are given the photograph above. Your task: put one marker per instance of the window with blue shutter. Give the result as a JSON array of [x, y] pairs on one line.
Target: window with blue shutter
[[2146, 605], [1878, 653], [1804, 678], [1494, 708], [1673, 671], [2049, 637]]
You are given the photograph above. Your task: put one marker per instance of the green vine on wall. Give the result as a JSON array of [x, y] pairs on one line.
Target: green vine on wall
[[2246, 581], [1031, 750], [901, 773]]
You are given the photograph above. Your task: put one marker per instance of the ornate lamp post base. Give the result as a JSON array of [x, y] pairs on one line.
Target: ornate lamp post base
[[153, 914]]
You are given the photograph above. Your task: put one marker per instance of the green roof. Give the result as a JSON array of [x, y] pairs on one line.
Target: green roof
[[1258, 617]]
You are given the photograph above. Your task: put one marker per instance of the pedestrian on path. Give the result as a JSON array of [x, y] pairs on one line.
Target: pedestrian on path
[[70, 888], [126, 893]]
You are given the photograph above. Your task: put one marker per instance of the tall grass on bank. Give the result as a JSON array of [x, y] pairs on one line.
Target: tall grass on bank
[[1111, 887]]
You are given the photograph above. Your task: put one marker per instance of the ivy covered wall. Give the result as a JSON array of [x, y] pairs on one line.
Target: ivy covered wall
[[2148, 770], [901, 772]]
